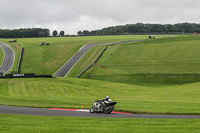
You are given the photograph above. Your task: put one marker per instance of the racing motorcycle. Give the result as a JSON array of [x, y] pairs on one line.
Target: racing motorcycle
[[103, 106]]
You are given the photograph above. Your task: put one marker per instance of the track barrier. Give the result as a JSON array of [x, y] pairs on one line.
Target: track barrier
[[102, 54], [20, 61], [25, 75]]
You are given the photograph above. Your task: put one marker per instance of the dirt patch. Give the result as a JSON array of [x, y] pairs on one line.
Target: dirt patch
[[15, 46]]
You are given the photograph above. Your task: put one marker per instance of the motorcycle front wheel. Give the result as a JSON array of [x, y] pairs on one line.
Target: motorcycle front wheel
[[92, 109], [108, 109]]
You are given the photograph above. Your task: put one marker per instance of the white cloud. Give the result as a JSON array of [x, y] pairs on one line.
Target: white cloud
[[74, 15]]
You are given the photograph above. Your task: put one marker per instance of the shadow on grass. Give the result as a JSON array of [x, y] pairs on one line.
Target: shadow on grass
[[150, 79]]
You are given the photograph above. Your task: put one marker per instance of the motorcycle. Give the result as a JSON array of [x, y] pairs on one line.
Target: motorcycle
[[102, 107]]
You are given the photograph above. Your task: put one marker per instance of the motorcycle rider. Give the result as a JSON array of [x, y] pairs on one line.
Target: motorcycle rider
[[105, 105], [107, 98], [101, 102]]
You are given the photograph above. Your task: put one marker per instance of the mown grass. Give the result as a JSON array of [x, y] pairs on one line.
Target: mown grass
[[40, 124], [48, 59], [176, 55], [17, 50], [87, 59], [1, 56], [92, 55], [72, 93]]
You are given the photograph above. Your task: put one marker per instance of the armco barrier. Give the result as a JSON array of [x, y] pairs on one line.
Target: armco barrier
[[102, 54], [26, 75], [29, 74], [9, 75], [20, 60]]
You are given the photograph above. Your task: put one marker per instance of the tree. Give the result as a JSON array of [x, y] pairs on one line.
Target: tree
[[55, 33], [86, 33], [62, 33], [41, 34], [19, 33], [79, 33]]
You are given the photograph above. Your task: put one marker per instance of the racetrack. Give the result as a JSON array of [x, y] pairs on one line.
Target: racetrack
[[50, 112], [64, 70], [8, 59], [7, 64]]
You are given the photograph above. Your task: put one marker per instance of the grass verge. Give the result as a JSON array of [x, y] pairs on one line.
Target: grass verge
[[40, 124], [72, 93], [16, 49], [87, 59], [163, 56], [149, 79]]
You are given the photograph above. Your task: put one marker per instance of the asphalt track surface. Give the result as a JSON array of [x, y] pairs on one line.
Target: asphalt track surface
[[8, 58], [64, 70], [50, 112]]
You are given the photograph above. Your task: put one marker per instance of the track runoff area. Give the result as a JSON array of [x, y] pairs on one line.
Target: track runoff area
[[84, 110], [115, 114], [84, 113]]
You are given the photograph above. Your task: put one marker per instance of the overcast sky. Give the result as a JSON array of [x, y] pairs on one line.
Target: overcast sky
[[74, 15]]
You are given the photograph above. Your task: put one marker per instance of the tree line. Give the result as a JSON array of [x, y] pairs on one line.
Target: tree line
[[20, 33], [140, 28], [55, 33]]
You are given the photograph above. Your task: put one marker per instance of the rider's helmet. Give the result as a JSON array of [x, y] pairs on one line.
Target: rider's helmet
[[107, 97]]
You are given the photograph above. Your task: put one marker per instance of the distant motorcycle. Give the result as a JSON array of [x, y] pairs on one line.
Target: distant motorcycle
[[103, 106]]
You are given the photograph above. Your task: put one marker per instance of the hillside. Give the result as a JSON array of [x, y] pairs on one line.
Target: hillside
[[166, 61], [175, 55], [48, 59], [72, 93]]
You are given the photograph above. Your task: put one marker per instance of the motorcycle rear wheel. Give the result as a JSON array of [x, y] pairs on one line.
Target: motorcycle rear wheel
[[108, 109]]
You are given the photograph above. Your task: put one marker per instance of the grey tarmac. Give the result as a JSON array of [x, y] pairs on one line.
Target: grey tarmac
[[48, 112], [64, 70], [8, 58]]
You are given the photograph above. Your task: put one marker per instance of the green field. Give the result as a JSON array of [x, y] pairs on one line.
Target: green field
[[160, 57], [48, 59], [170, 90], [39, 124], [87, 59], [91, 57], [72, 93], [158, 76]]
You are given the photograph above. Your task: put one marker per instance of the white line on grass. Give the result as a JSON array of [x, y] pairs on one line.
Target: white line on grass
[[64, 64], [76, 62], [13, 58], [4, 55]]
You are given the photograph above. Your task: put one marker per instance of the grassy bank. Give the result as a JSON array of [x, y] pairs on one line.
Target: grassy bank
[[149, 79], [48, 59], [91, 56], [39, 124], [87, 59], [16, 49], [72, 93], [176, 55]]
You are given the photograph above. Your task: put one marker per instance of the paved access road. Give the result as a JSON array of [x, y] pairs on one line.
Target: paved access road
[[49, 112], [64, 70], [8, 58]]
